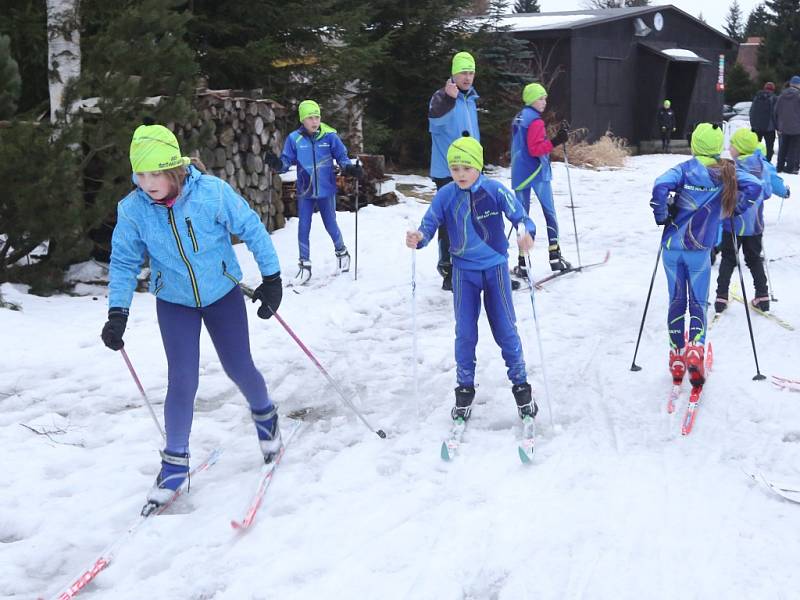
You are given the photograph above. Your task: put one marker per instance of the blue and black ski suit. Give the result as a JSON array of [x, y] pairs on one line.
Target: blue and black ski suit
[[478, 245], [689, 236]]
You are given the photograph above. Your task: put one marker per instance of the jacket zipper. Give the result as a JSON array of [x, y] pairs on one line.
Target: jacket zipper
[[195, 247], [195, 289], [228, 275], [314, 174]]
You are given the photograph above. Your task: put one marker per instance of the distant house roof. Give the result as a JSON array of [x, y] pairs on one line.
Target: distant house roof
[[577, 19]]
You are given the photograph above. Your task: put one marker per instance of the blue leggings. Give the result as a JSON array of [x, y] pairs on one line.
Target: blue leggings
[[688, 278], [544, 192], [226, 322], [496, 287], [327, 209]]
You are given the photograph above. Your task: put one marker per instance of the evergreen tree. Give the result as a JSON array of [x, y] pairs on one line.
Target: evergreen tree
[[779, 54], [734, 26], [758, 23], [10, 83], [527, 6], [25, 22], [738, 85], [700, 17]]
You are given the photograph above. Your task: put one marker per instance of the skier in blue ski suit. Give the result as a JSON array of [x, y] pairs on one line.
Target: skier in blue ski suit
[[182, 220], [530, 168], [313, 147], [748, 227], [452, 111], [472, 209], [705, 190]]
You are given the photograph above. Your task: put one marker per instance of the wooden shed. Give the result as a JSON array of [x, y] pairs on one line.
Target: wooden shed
[[611, 69]]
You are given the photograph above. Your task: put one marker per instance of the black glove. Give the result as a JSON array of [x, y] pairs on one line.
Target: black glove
[[114, 328], [664, 220], [270, 293], [354, 170], [560, 137], [788, 192], [273, 161]]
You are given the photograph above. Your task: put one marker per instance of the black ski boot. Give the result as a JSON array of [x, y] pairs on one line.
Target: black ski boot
[[557, 262], [465, 394], [720, 304], [523, 395], [521, 270]]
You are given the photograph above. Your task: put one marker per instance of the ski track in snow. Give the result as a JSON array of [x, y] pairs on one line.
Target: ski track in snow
[[616, 505]]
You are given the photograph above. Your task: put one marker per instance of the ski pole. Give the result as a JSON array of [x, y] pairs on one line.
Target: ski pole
[[532, 293], [572, 204], [414, 326], [634, 366], [758, 376], [766, 268], [356, 251], [780, 211], [141, 391]]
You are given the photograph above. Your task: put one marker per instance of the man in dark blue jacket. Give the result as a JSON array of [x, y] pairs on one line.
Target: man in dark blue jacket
[[762, 116]]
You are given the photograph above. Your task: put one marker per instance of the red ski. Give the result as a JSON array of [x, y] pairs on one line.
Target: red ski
[[694, 397]]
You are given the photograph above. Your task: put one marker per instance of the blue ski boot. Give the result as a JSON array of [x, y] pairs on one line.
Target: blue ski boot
[[174, 471], [269, 434]]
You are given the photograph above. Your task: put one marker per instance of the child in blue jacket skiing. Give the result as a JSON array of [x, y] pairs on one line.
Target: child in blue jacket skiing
[[706, 190], [748, 227], [530, 168], [472, 208], [182, 220], [313, 147]]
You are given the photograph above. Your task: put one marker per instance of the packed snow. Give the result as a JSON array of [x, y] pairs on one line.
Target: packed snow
[[617, 504]]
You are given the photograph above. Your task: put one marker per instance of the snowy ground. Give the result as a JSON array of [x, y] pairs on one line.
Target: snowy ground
[[618, 504]]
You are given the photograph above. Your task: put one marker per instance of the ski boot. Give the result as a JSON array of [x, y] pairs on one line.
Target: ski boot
[[465, 394], [304, 274], [761, 303], [695, 363], [174, 471], [269, 434], [342, 260], [557, 262], [720, 304], [521, 270], [677, 365], [523, 395]]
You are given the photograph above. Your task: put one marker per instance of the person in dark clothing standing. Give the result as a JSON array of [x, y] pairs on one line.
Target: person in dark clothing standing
[[762, 116], [666, 124], [787, 121]]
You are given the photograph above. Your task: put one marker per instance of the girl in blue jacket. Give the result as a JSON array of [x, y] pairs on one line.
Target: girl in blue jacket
[[313, 148], [706, 190], [748, 227], [472, 208], [182, 220]]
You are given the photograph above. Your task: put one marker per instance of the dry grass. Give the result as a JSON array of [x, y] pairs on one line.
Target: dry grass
[[609, 151]]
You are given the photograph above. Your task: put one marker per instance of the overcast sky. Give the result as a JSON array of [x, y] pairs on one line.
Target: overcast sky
[[713, 10]]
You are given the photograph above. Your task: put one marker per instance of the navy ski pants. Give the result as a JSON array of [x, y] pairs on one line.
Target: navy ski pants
[[327, 210], [495, 284], [688, 279], [226, 322]]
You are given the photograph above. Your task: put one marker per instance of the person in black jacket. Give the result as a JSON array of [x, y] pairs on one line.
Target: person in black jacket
[[762, 116], [666, 124], [787, 121]]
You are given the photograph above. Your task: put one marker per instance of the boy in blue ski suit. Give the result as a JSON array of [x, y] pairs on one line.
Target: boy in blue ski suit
[[472, 209], [182, 220], [452, 111], [313, 147], [530, 168], [748, 227], [706, 190]]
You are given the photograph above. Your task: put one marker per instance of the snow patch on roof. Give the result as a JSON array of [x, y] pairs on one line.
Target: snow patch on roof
[[543, 21], [680, 53]]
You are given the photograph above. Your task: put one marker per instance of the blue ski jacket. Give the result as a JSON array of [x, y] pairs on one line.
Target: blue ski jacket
[[314, 155], [751, 222], [474, 221], [698, 204], [192, 261], [526, 168], [448, 119]]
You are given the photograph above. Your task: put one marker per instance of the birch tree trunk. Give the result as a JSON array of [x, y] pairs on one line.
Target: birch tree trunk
[[63, 52]]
